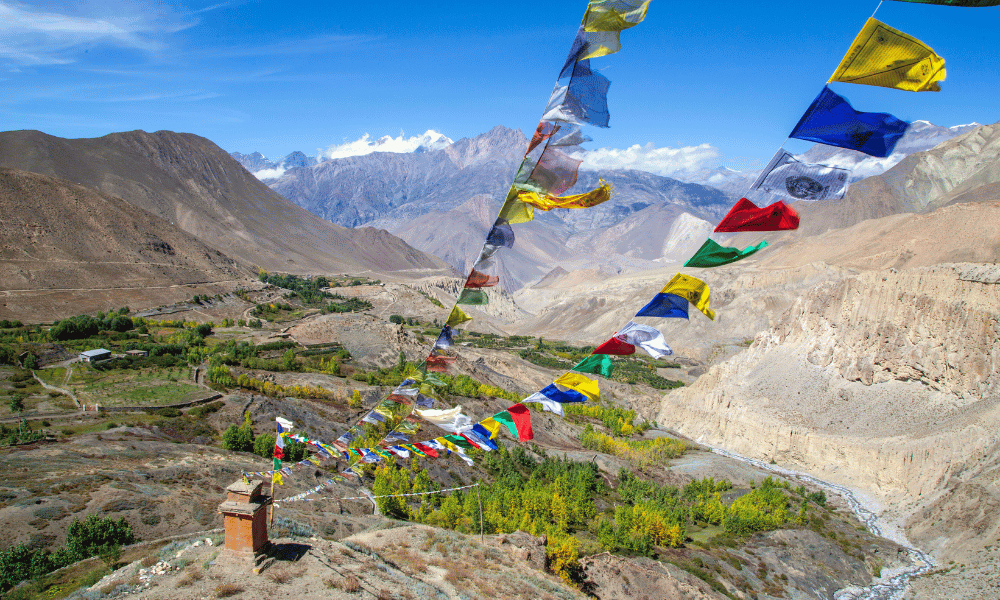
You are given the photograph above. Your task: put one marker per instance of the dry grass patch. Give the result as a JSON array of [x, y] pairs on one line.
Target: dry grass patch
[[350, 584], [149, 561], [284, 575], [190, 576], [225, 590]]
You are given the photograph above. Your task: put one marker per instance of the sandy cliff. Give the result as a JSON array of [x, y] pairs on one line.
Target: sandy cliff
[[887, 381]]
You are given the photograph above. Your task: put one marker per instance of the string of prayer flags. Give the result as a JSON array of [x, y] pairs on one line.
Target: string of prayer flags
[[711, 254], [547, 201], [457, 317], [691, 289], [886, 57], [480, 280], [600, 364], [786, 175], [964, 3], [580, 383], [833, 121]]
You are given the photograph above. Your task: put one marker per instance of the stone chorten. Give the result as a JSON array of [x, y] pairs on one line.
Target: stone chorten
[[245, 512]]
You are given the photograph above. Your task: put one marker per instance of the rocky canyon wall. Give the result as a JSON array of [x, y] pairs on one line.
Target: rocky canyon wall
[[885, 381]]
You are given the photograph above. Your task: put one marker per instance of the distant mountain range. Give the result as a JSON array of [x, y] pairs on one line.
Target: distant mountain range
[[442, 199]]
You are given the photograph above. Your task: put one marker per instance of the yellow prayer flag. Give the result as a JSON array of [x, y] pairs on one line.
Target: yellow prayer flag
[[491, 425], [614, 15], [447, 444], [886, 57], [547, 202], [581, 383], [276, 478], [457, 317], [694, 290], [514, 211]]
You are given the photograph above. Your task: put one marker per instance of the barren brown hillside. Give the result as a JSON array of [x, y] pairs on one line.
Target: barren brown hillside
[[191, 182], [56, 236]]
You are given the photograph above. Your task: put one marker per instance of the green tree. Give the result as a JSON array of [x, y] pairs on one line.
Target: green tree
[[397, 319], [288, 362], [264, 445], [31, 362], [95, 535], [239, 438]]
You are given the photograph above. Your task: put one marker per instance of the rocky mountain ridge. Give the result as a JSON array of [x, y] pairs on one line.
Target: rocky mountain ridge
[[191, 182]]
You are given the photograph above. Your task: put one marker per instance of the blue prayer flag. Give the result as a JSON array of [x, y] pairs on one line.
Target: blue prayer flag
[[501, 235], [831, 120], [555, 394], [667, 306]]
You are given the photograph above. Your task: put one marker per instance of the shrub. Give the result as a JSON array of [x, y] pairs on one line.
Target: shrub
[[169, 412], [239, 438], [397, 319]]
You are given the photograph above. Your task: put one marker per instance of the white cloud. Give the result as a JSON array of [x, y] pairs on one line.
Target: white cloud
[[661, 161], [429, 140], [33, 36], [270, 173]]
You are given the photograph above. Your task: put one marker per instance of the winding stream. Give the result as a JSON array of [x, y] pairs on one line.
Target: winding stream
[[890, 586]]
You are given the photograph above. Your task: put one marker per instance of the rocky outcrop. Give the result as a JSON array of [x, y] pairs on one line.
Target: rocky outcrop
[[611, 577]]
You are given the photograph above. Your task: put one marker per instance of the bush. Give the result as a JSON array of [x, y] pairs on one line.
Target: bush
[[397, 319], [238, 438], [94, 535], [169, 412], [264, 445]]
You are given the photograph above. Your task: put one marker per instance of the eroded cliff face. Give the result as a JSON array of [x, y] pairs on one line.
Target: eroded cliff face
[[885, 381]]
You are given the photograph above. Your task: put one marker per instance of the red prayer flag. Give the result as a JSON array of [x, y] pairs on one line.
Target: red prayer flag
[[616, 347], [427, 450], [439, 364], [522, 420], [278, 453], [543, 132], [481, 280], [746, 216]]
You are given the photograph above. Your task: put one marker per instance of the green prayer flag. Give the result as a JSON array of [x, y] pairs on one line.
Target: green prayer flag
[[507, 420], [473, 297], [598, 364], [711, 254]]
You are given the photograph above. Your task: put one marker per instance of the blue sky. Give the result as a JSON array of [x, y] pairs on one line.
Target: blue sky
[[719, 82]]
